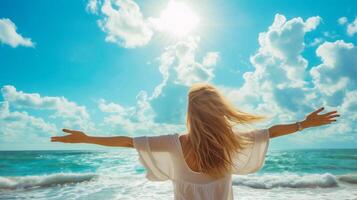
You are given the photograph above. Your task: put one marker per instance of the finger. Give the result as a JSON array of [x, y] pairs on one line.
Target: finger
[[330, 113], [333, 116], [59, 138], [68, 130], [56, 139], [318, 110], [63, 140]]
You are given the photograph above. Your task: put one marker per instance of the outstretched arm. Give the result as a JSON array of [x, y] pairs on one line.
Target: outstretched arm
[[311, 120], [80, 137]]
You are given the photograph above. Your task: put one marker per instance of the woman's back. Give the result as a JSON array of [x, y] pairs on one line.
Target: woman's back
[[163, 157], [186, 148]]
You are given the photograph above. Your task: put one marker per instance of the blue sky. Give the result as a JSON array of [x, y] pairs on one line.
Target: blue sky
[[119, 68]]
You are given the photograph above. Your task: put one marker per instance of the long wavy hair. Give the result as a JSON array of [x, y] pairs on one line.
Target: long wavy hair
[[210, 122]]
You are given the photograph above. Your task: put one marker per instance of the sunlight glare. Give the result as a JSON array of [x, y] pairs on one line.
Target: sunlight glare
[[178, 19]]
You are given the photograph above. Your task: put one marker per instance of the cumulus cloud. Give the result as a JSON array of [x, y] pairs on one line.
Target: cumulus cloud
[[336, 85], [282, 45], [134, 120], [342, 20], [352, 28], [178, 65], [112, 108], [118, 115], [338, 69], [279, 68], [210, 59], [92, 6], [278, 85], [16, 124], [311, 23], [72, 114], [124, 23], [316, 42], [9, 36], [179, 62]]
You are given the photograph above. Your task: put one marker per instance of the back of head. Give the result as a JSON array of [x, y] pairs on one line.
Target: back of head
[[210, 121]]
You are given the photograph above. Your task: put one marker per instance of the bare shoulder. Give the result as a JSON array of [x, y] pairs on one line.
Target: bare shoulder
[[183, 138]]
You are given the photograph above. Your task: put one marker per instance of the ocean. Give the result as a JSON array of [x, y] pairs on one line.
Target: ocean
[[100, 175]]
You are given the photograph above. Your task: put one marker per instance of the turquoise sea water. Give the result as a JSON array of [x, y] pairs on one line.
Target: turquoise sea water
[[290, 174]]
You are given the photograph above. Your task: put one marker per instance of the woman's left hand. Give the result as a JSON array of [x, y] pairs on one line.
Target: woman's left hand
[[315, 119]]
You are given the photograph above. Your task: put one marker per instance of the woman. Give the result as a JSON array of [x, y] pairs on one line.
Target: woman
[[200, 163]]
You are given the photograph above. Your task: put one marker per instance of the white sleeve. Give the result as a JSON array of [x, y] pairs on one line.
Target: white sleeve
[[155, 155], [251, 158]]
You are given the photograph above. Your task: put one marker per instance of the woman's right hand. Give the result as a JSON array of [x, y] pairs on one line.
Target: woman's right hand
[[73, 137]]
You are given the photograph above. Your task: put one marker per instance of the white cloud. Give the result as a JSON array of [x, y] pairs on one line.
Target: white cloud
[[118, 115], [179, 62], [111, 107], [72, 114], [178, 65], [312, 23], [138, 120], [352, 28], [210, 59], [342, 20], [282, 45], [9, 36], [124, 23], [278, 86], [21, 125], [92, 6], [316, 42], [349, 106], [337, 71], [284, 39]]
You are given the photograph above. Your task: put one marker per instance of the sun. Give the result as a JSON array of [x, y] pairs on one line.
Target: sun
[[178, 19]]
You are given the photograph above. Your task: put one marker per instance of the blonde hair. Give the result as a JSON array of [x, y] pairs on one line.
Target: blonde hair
[[210, 122]]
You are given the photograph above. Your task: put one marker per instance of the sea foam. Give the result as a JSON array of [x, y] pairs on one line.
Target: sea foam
[[348, 178], [294, 181], [44, 180]]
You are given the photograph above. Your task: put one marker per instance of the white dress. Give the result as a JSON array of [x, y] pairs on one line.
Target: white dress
[[163, 159]]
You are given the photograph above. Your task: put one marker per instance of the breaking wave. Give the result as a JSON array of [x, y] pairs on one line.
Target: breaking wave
[[44, 180], [295, 181]]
